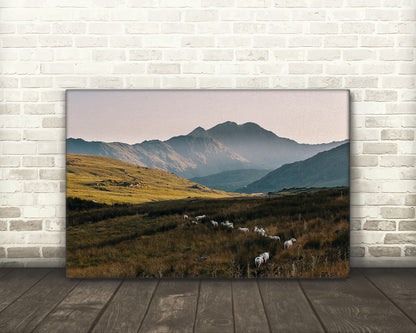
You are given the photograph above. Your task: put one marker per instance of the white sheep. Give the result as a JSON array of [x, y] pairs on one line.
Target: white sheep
[[194, 222], [275, 237], [214, 223], [243, 229], [265, 256], [289, 243], [186, 217], [258, 261], [200, 217]]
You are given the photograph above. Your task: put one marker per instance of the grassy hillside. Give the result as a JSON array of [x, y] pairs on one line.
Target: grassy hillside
[[326, 169], [110, 181], [153, 240], [231, 180]]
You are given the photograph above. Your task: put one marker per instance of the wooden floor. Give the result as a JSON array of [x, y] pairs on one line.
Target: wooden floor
[[371, 300]]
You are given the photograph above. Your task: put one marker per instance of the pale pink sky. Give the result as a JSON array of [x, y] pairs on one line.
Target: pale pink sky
[[132, 116]]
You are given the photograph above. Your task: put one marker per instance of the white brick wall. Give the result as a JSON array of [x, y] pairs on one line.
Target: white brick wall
[[364, 45]]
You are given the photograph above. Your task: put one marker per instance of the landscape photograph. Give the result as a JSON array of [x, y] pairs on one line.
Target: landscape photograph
[[207, 183]]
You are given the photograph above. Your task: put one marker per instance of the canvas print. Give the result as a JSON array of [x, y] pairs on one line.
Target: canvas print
[[207, 183]]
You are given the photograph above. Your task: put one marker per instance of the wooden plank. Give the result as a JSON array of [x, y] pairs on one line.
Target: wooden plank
[[354, 305], [4, 271], [249, 314], [287, 308], [127, 308], [17, 282], [172, 308], [215, 308], [29, 310], [399, 285], [77, 312]]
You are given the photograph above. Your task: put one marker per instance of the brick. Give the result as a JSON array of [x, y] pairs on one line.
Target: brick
[[198, 41], [384, 251], [108, 55], [305, 68], [357, 251], [218, 55], [252, 55], [179, 82], [23, 252], [392, 54], [2, 252], [393, 134], [357, 28], [252, 82], [361, 82], [3, 225], [163, 68], [305, 41], [22, 174], [164, 15], [10, 135], [397, 213], [265, 42], [410, 251], [249, 28], [177, 28], [285, 28], [359, 54], [324, 54], [324, 82], [53, 252], [286, 55], [30, 225], [195, 15], [407, 225], [38, 161], [410, 200], [55, 225], [381, 95], [380, 225], [380, 148], [400, 238], [341, 68], [53, 122], [40, 135], [9, 161], [52, 174], [355, 224], [144, 55], [341, 41]]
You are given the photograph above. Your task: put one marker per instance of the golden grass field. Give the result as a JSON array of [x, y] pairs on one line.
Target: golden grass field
[[111, 181]]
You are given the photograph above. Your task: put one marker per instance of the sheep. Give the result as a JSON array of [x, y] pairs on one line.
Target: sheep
[[200, 217], [243, 229], [260, 231], [230, 225], [214, 223], [289, 243], [275, 237], [194, 222], [186, 217], [258, 261], [265, 256]]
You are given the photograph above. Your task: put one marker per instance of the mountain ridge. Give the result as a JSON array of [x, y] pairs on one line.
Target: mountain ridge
[[223, 147]]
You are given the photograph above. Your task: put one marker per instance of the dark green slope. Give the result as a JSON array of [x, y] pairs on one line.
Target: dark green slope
[[230, 180], [326, 169]]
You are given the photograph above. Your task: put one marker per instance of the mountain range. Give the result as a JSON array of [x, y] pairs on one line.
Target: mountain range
[[224, 147]]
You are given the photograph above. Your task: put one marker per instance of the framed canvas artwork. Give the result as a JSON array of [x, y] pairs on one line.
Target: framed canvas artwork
[[207, 183]]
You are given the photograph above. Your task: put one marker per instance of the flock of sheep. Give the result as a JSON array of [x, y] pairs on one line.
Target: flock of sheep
[[262, 258]]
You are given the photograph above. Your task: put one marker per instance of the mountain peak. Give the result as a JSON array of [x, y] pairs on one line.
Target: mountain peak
[[197, 131]]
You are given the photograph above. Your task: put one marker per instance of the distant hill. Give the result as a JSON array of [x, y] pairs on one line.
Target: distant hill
[[108, 180], [326, 169], [231, 180], [224, 147]]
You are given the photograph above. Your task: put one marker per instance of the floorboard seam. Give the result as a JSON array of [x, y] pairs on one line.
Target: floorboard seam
[[94, 323], [264, 307], [312, 307], [197, 304], [56, 305], [148, 306], [27, 290], [232, 305], [386, 296]]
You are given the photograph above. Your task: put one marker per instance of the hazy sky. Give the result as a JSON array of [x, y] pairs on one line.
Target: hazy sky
[[132, 116]]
